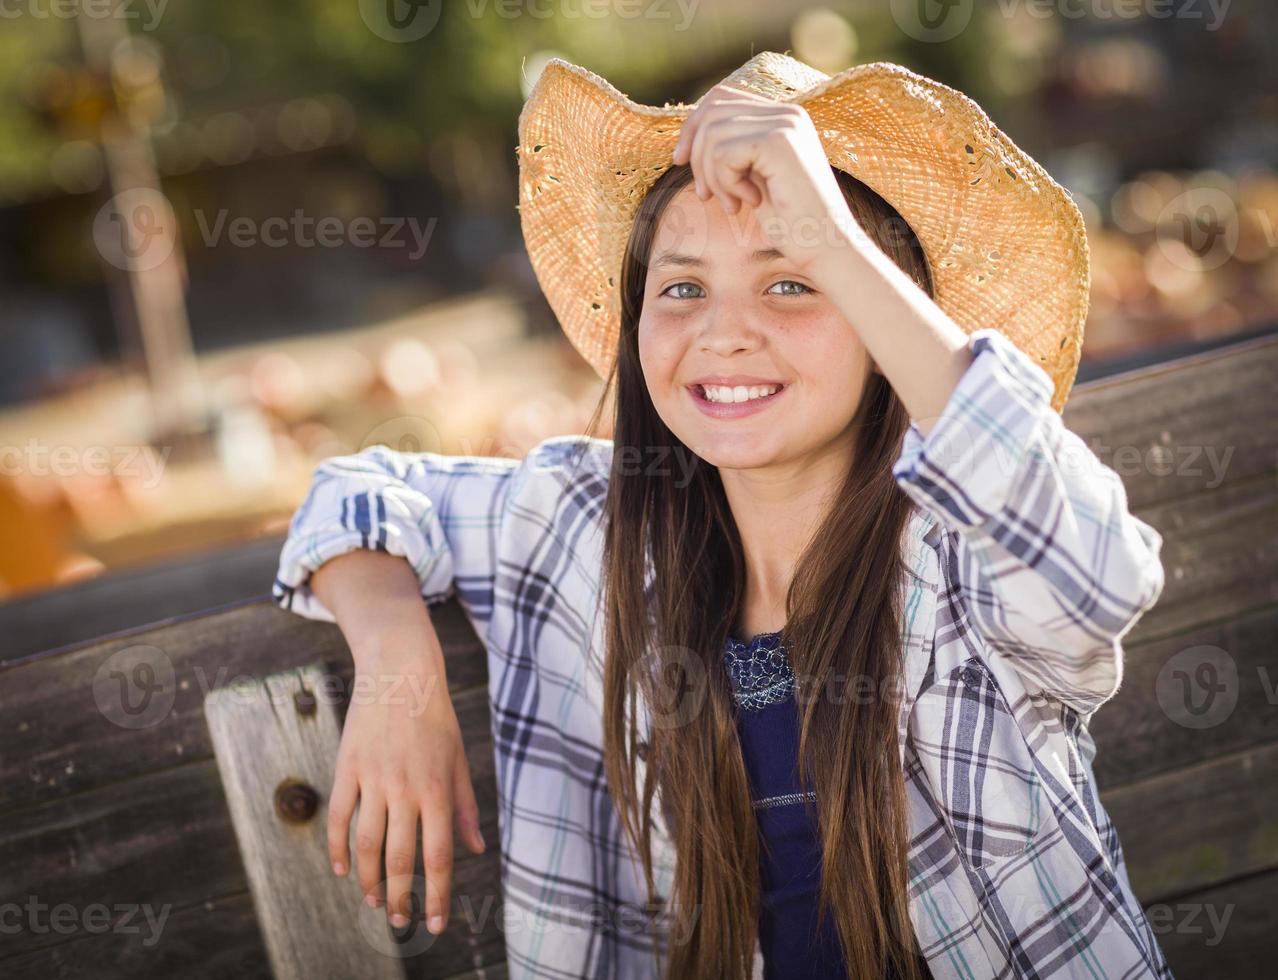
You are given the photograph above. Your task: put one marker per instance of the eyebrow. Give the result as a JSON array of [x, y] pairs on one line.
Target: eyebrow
[[678, 259]]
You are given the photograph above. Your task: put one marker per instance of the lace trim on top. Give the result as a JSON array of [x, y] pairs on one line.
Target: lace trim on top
[[759, 670]]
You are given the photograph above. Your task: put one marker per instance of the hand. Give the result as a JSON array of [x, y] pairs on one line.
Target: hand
[[748, 150], [402, 756]]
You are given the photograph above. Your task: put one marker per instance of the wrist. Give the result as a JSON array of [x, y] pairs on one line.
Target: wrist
[[404, 644]]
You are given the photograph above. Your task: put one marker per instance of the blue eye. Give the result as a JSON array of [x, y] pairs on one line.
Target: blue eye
[[793, 282], [674, 285]]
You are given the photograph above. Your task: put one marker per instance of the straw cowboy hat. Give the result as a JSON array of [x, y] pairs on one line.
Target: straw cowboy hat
[[1005, 242]]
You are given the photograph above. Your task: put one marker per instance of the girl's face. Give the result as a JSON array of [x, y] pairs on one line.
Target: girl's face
[[722, 309]]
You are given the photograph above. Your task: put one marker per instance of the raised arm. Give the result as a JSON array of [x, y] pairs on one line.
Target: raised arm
[[1054, 567]]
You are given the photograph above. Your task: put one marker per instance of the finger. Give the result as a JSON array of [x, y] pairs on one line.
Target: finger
[[437, 855], [709, 134], [702, 164], [734, 168], [401, 849], [370, 830], [706, 108], [341, 804], [686, 131], [744, 186], [465, 807], [726, 156]]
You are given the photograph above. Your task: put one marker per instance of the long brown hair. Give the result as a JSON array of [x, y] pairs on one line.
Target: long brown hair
[[665, 639]]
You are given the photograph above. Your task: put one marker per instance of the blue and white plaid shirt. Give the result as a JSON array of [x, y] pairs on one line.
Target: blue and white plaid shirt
[[1026, 570]]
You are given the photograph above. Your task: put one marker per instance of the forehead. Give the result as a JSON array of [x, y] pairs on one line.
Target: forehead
[[690, 228]]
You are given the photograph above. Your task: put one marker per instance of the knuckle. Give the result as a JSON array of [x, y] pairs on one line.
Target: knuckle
[[366, 843], [400, 860], [438, 856]]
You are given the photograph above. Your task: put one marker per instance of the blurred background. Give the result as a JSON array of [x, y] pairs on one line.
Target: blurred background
[[238, 237]]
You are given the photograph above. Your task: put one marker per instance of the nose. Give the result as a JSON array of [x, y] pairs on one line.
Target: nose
[[730, 327]]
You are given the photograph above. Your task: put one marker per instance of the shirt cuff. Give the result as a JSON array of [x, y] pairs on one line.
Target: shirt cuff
[[965, 469], [396, 522]]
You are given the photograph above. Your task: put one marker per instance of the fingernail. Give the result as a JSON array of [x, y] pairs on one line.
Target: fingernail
[[339, 868], [370, 900], [436, 923], [399, 921]]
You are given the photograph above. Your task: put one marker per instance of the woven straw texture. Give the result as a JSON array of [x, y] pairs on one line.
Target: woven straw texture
[[1005, 242]]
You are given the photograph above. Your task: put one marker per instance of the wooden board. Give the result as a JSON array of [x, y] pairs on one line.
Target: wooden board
[[126, 600], [1160, 427], [58, 740], [1141, 732], [315, 923]]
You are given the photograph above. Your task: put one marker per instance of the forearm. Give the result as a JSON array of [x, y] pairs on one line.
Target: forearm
[[918, 347], [376, 602]]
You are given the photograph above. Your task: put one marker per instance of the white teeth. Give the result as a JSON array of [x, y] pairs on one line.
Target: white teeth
[[740, 393]]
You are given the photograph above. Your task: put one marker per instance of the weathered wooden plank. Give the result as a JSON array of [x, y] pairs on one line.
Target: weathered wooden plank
[[276, 742], [82, 718], [1220, 932], [1200, 826], [125, 599], [1220, 556], [1188, 425], [1164, 353], [165, 841], [1147, 729], [210, 941], [157, 843]]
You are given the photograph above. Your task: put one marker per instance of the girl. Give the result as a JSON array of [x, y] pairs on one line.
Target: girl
[[792, 676]]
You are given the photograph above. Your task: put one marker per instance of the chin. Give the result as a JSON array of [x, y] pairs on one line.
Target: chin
[[743, 452]]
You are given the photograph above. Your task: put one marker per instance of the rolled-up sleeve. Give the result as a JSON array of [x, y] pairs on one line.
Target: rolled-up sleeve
[[1054, 567], [442, 514]]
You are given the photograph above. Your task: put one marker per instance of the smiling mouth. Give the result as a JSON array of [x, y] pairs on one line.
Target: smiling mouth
[[735, 395], [721, 402]]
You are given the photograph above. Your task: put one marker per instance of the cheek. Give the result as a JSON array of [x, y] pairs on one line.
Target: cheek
[[660, 348], [829, 356]]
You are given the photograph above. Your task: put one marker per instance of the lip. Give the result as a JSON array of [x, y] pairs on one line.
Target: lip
[[734, 410]]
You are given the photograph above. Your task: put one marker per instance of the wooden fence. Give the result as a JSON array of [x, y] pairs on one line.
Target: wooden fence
[[119, 854]]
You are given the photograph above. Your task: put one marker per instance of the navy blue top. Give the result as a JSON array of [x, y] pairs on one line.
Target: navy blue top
[[794, 948]]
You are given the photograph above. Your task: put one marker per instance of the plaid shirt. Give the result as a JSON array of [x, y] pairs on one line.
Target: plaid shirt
[[1025, 571]]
